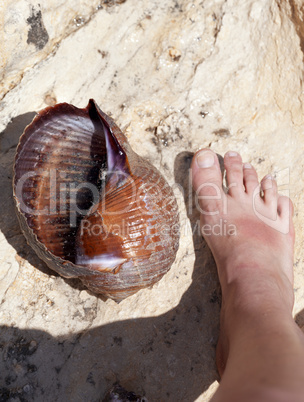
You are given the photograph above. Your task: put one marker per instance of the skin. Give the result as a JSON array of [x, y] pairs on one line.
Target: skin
[[260, 352]]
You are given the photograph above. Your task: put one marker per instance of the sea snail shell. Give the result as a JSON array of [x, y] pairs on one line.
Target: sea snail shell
[[91, 207]]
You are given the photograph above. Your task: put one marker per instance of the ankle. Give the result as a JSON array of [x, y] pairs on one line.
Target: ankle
[[258, 320], [255, 289]]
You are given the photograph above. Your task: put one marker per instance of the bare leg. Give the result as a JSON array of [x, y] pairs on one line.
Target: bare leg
[[260, 353]]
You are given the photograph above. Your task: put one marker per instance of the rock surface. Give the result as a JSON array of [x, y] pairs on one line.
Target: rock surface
[[175, 76]]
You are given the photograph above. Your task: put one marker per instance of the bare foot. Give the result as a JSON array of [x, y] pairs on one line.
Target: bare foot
[[250, 233]]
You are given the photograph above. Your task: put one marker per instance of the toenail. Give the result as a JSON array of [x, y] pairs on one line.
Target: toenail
[[268, 177], [232, 153], [247, 166], [204, 159]]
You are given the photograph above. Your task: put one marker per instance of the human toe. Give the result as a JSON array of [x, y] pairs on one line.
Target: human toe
[[250, 178], [207, 179], [270, 190], [285, 206], [234, 173]]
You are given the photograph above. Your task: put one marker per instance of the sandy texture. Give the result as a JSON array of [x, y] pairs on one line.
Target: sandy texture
[[175, 76]]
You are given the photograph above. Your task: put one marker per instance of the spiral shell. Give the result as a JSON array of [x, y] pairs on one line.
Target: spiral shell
[[91, 207]]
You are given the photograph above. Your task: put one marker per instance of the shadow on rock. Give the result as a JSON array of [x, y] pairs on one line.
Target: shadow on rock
[[299, 319], [166, 358]]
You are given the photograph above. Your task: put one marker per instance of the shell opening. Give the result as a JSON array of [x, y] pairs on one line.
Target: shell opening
[[61, 168]]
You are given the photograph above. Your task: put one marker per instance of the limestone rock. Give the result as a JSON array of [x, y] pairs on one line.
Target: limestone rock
[[175, 76]]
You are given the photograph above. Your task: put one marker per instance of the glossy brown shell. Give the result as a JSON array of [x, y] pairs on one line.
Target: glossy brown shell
[[89, 206]]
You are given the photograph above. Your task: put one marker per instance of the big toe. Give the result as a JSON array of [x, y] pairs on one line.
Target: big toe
[[207, 181]]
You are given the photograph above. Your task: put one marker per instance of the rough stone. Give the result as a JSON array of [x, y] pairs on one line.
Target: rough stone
[[175, 76]]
